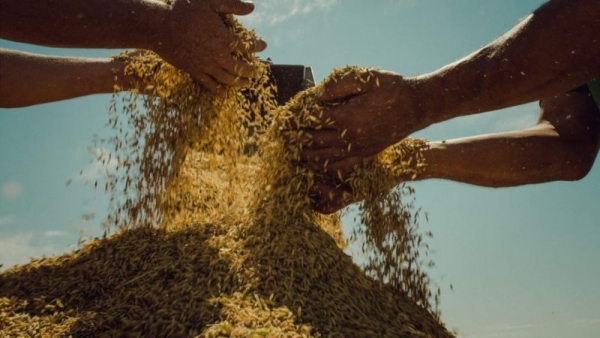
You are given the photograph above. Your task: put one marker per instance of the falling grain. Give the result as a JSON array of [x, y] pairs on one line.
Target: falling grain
[[212, 233]]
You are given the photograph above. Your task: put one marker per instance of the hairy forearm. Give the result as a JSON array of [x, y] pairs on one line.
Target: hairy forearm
[[29, 79], [535, 155], [550, 52], [90, 23]]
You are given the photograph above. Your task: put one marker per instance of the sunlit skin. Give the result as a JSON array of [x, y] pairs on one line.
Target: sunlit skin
[[191, 35], [29, 79], [546, 55], [562, 145]]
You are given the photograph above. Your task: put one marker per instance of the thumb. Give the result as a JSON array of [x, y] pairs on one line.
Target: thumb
[[236, 7], [339, 87]]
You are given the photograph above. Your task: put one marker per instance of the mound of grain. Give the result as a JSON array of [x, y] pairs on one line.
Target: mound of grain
[[208, 280]]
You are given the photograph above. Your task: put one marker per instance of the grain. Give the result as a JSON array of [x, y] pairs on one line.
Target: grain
[[211, 233]]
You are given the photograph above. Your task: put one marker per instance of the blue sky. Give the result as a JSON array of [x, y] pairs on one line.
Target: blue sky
[[523, 261]]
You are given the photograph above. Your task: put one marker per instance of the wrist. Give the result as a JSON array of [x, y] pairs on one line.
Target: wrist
[[432, 156], [433, 102]]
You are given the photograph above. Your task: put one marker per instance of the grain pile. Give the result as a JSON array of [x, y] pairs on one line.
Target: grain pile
[[212, 240]]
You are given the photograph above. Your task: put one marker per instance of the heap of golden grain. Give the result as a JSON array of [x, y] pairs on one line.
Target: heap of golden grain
[[213, 234]]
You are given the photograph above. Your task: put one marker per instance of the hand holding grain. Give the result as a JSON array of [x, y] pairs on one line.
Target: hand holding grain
[[363, 114], [197, 41]]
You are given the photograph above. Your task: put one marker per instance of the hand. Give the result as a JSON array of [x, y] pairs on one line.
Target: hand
[[122, 79], [198, 42], [333, 195], [327, 198], [375, 177], [370, 111]]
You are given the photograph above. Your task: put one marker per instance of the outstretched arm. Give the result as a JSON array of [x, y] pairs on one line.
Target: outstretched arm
[[562, 146], [551, 51], [84, 24], [29, 79], [191, 35]]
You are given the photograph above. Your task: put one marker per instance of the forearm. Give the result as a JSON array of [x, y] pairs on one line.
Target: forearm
[[529, 156], [90, 23], [550, 52], [29, 79]]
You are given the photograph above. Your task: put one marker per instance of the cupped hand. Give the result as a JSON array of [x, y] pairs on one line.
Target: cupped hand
[[363, 114], [327, 198], [334, 193], [126, 79], [198, 41]]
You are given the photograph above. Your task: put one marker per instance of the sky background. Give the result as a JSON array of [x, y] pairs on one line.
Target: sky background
[[523, 261]]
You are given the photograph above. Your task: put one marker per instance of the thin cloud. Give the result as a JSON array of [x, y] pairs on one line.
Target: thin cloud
[[12, 190], [586, 322], [55, 233], [271, 12], [7, 220], [18, 249]]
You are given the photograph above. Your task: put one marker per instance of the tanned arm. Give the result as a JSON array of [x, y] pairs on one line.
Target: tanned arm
[[551, 51], [29, 79], [88, 23], [562, 146], [190, 35]]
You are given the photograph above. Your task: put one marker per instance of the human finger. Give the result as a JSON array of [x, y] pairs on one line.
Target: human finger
[[224, 77], [238, 67], [344, 166], [342, 116], [341, 169], [327, 199], [341, 86], [307, 121], [324, 138], [322, 155], [255, 46], [236, 7], [295, 136], [209, 83]]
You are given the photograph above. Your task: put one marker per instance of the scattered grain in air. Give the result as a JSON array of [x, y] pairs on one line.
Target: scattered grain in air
[[207, 205]]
